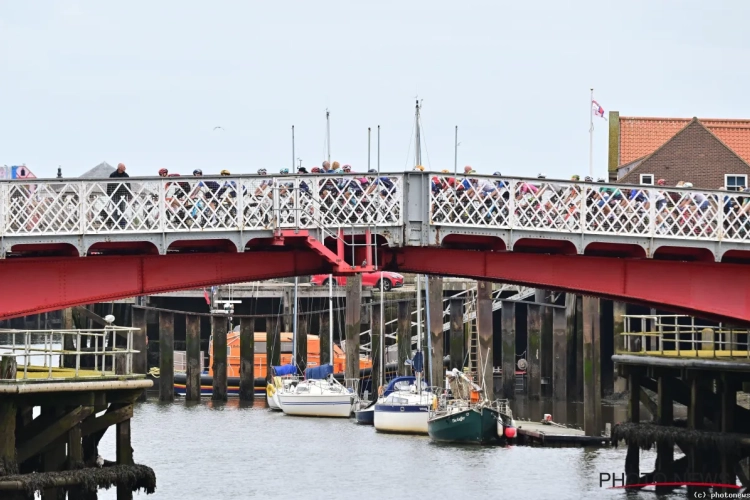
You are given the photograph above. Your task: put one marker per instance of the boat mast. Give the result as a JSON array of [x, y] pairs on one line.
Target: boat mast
[[382, 309], [330, 276], [418, 161], [328, 135], [294, 325]]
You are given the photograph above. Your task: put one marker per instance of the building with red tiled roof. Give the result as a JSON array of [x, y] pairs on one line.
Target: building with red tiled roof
[[710, 153]]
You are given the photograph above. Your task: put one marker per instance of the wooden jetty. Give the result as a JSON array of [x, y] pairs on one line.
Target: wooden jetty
[[60, 390], [541, 434]]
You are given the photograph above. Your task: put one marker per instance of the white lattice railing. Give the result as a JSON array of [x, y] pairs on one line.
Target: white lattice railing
[[593, 208], [187, 204]]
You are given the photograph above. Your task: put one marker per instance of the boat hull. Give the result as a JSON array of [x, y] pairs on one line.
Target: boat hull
[[365, 416], [339, 405], [404, 419], [471, 426]]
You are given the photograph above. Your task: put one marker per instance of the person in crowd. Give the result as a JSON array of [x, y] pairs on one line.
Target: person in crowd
[[119, 193]]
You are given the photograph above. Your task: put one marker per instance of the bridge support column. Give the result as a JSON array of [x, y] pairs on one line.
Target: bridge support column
[[508, 329], [166, 356], [273, 345], [404, 336], [695, 421], [632, 459], [618, 320], [376, 329], [546, 350], [352, 324], [193, 348], [728, 402], [324, 325], [592, 388], [219, 391], [303, 328], [484, 334], [559, 355], [437, 367], [247, 359], [534, 351], [457, 338], [664, 416]]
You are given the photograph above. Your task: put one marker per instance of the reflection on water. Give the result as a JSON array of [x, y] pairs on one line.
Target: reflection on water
[[238, 451]]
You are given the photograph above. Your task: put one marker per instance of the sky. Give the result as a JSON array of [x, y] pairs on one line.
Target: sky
[[145, 82]]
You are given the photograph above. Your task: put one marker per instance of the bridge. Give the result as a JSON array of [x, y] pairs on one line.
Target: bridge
[[70, 242]]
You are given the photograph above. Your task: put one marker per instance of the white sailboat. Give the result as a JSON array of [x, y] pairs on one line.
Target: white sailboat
[[406, 404], [319, 395]]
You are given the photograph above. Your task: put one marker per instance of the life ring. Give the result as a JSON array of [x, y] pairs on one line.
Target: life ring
[[270, 390]]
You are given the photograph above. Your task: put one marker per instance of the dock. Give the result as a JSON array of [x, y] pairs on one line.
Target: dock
[[539, 434]]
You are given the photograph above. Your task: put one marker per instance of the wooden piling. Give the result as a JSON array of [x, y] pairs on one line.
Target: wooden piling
[[247, 359], [8, 410], [287, 299], [219, 390], [534, 351], [618, 320], [404, 337], [484, 334], [606, 346], [66, 323], [546, 349], [571, 380], [376, 332], [193, 348], [579, 348], [437, 368], [592, 392], [302, 331], [140, 359], [696, 412], [559, 355], [166, 356], [664, 416], [273, 345], [352, 325], [325, 338], [508, 329], [457, 338], [632, 459], [728, 402], [124, 456]]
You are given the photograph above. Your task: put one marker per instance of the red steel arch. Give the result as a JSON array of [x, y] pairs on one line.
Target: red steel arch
[[709, 289]]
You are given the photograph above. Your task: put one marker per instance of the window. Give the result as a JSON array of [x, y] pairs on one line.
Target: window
[[735, 182], [647, 179]]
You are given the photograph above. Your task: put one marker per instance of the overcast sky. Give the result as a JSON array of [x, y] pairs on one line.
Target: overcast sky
[[145, 82]]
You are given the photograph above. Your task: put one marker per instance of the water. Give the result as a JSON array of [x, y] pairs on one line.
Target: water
[[238, 451]]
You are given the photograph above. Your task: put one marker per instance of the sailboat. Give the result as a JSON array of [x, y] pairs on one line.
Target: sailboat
[[366, 415], [319, 395]]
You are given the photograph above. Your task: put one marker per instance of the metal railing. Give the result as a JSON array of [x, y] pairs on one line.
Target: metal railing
[[44, 351], [680, 336]]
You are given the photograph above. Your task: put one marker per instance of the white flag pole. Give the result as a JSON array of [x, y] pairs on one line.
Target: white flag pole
[[591, 134]]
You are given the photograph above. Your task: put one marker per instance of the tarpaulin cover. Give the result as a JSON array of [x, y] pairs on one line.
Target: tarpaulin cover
[[319, 372], [285, 370]]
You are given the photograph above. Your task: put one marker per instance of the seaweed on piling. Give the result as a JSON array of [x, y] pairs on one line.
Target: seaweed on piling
[[646, 435], [135, 477]]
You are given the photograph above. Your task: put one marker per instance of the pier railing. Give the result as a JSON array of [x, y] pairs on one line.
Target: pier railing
[[680, 336], [69, 354]]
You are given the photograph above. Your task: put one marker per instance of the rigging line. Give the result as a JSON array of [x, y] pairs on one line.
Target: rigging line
[[423, 137], [408, 151]]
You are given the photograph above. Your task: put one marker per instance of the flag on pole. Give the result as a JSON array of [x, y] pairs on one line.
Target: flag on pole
[[597, 109], [205, 296]]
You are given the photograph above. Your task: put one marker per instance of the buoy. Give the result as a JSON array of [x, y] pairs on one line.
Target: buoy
[[510, 432]]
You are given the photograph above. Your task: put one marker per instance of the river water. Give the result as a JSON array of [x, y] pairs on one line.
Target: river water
[[237, 451]]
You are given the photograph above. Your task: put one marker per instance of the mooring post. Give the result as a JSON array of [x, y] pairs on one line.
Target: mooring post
[[695, 422], [377, 331], [559, 355], [457, 339], [303, 329], [8, 410], [632, 459], [66, 323], [352, 326], [193, 348], [728, 402], [140, 359], [579, 348], [324, 337], [664, 416], [247, 359], [286, 304], [592, 388], [618, 329], [508, 329], [219, 390], [273, 345], [534, 351], [404, 337], [546, 349], [437, 367], [124, 456], [570, 340], [166, 356]]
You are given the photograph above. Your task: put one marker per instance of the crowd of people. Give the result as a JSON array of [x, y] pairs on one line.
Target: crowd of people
[[466, 199]]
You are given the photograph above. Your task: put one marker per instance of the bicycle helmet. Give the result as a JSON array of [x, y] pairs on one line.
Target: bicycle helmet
[[372, 171], [661, 182], [225, 172], [262, 171], [163, 171], [315, 170], [541, 176], [600, 179], [347, 168], [497, 174], [419, 167], [197, 171], [589, 179], [445, 171], [575, 177], [284, 171]]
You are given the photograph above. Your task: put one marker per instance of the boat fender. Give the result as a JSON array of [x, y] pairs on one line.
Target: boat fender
[[510, 432], [381, 390], [270, 390], [434, 404]]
